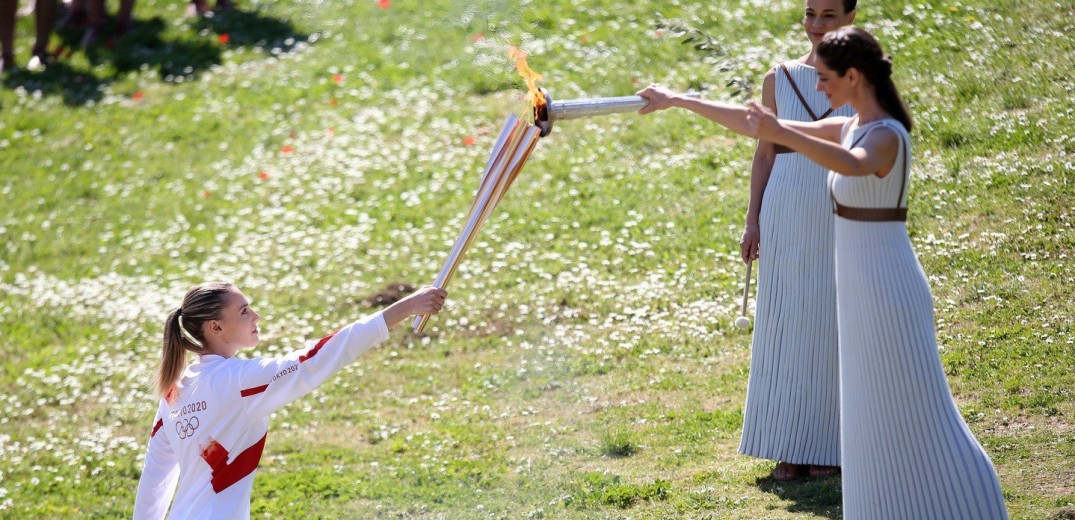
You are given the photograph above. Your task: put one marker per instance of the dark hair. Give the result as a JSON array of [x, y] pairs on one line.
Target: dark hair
[[850, 5], [183, 331], [849, 47]]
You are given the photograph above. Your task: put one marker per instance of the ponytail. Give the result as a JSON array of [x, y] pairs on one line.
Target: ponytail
[[173, 356], [183, 333], [889, 99], [849, 47]]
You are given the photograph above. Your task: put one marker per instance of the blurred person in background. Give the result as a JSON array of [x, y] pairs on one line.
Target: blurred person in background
[[44, 12]]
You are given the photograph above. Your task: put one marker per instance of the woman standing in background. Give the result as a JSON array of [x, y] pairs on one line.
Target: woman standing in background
[[792, 411]]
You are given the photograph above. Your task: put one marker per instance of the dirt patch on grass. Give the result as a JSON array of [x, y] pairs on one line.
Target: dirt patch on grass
[[391, 293], [491, 322], [1067, 513], [1026, 425]]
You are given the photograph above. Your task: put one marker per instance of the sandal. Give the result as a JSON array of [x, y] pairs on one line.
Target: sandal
[[786, 472], [39, 61]]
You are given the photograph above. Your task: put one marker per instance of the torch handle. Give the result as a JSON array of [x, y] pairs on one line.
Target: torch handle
[[420, 322], [581, 108]]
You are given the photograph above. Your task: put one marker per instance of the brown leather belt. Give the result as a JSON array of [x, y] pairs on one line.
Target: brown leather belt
[[870, 214]]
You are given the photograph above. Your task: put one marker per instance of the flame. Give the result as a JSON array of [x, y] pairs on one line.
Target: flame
[[533, 95]]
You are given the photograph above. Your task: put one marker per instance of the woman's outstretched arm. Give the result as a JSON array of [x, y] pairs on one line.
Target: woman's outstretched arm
[[267, 384], [818, 140], [735, 117], [875, 154]]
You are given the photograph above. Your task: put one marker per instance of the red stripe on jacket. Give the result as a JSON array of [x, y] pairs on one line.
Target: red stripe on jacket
[[224, 474], [253, 391], [160, 422], [313, 352]]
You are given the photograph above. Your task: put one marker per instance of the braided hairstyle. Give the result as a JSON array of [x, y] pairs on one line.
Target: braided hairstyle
[[849, 47], [183, 331]]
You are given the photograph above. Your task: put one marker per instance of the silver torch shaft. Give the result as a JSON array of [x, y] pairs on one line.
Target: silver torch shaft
[[552, 111]]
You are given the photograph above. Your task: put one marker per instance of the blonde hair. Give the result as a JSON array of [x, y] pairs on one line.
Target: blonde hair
[[183, 331]]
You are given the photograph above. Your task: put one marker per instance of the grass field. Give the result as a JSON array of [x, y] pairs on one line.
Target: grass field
[[316, 153]]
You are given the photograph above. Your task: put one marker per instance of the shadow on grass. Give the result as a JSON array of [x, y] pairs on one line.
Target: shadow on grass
[[77, 86], [820, 496], [145, 47], [174, 57], [250, 28]]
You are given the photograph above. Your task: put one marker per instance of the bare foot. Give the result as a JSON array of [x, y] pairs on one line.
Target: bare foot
[[823, 471], [785, 472]]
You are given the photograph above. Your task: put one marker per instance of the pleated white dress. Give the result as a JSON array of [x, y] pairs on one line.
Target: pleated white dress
[[906, 451], [792, 405]]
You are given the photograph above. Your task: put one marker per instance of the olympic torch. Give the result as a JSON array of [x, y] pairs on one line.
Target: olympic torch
[[549, 111]]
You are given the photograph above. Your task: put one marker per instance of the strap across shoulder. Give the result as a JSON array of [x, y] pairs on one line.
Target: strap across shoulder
[[799, 94], [906, 158], [780, 149]]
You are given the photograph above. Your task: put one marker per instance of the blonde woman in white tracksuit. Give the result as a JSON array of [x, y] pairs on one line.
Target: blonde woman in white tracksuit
[[210, 427]]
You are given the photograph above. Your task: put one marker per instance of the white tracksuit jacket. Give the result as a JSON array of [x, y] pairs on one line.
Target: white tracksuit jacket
[[209, 440]]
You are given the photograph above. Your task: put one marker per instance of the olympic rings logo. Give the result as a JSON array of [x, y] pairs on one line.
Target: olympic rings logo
[[185, 427]]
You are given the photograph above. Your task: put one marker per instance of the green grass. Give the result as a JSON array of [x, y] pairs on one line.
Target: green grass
[[586, 366]]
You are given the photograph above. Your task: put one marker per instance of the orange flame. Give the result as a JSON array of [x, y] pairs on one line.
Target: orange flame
[[533, 95]]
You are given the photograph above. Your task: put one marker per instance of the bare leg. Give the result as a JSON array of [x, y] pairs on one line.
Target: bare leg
[[123, 17], [44, 18], [7, 33]]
